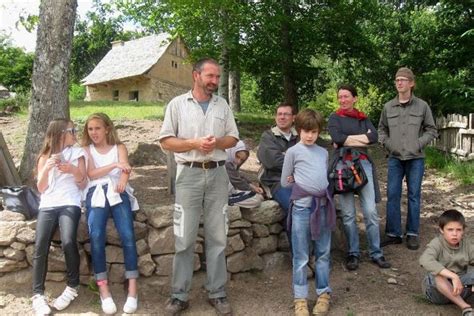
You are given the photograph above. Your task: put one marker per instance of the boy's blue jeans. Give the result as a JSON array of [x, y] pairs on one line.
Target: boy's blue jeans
[[371, 217], [413, 170], [97, 221], [301, 240]]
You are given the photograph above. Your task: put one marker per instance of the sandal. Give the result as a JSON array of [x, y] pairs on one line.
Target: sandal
[[322, 304]]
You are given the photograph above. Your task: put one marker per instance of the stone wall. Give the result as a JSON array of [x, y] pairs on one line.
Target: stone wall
[[256, 241]]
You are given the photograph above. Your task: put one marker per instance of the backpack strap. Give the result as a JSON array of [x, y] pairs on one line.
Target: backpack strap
[[355, 154]]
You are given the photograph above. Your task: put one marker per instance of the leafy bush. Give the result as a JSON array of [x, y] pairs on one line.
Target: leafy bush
[[249, 97], [19, 103], [446, 93], [77, 92]]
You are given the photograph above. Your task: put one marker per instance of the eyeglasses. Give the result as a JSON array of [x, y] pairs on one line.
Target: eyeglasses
[[284, 114], [71, 130], [401, 80]]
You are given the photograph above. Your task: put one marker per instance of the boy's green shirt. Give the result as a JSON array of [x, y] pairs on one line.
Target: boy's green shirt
[[439, 255]]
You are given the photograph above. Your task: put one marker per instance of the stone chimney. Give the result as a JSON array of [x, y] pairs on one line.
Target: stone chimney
[[118, 43]]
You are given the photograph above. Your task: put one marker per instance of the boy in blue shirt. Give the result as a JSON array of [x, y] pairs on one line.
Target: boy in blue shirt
[[312, 214]]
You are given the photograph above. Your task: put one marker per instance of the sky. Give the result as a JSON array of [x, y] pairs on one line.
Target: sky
[[11, 10]]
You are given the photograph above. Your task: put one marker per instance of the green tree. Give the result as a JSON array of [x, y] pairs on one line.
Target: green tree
[[209, 28], [92, 39], [49, 95], [16, 67]]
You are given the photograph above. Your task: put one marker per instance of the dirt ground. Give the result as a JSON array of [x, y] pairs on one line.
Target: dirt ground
[[363, 292]]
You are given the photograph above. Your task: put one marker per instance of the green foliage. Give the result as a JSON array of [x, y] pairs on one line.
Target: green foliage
[[19, 103], [249, 97], [325, 103], [370, 102], [16, 67], [445, 92], [252, 125], [28, 21], [461, 171], [77, 92], [92, 40], [80, 110]]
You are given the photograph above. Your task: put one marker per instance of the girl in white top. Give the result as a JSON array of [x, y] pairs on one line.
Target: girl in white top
[[108, 194], [61, 177]]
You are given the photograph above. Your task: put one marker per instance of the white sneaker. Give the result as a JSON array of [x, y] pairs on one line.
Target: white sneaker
[[40, 306], [131, 305], [108, 305], [65, 298]]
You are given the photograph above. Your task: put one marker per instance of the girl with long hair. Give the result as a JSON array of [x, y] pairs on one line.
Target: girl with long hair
[[61, 174], [109, 194]]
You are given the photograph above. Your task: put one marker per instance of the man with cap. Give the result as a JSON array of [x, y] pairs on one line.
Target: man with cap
[[406, 126]]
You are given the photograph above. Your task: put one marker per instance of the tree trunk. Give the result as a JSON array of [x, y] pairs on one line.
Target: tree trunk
[[49, 96], [234, 90], [224, 80], [290, 94]]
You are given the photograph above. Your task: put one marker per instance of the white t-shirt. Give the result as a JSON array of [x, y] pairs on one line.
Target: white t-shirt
[[62, 188]]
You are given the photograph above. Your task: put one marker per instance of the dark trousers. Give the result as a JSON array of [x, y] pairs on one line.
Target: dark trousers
[[48, 218]]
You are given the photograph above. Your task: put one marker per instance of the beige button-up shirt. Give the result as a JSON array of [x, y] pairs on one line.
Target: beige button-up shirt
[[184, 118]]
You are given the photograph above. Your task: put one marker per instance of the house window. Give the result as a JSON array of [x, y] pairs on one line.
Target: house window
[[115, 95], [133, 95]]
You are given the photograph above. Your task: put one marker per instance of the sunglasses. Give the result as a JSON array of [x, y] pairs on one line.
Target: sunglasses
[[71, 130]]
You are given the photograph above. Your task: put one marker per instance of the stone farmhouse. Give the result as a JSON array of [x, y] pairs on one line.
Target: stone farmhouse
[[152, 68]]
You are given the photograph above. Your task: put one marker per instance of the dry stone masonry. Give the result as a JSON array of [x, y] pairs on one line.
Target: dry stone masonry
[[256, 241]]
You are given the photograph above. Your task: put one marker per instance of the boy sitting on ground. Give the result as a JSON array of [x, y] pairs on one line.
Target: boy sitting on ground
[[446, 259]]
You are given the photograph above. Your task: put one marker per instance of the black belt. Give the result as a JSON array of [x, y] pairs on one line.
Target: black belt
[[205, 164]]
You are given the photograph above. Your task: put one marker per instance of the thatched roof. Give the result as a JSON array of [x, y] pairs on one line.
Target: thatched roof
[[129, 59]]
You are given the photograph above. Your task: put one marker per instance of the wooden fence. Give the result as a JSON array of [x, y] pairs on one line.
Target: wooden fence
[[456, 135]]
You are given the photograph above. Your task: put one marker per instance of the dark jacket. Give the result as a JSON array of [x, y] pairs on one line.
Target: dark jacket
[[271, 154], [341, 127]]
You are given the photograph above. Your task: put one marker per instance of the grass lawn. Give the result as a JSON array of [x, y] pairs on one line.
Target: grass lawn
[[117, 110]]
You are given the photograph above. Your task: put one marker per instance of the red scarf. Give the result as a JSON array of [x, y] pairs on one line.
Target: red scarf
[[354, 113]]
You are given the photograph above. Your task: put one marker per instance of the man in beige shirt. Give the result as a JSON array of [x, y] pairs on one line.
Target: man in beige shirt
[[198, 127]]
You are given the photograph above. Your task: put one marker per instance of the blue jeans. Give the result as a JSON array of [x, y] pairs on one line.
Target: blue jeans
[[413, 171], [301, 239], [282, 197], [97, 222], [371, 217]]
